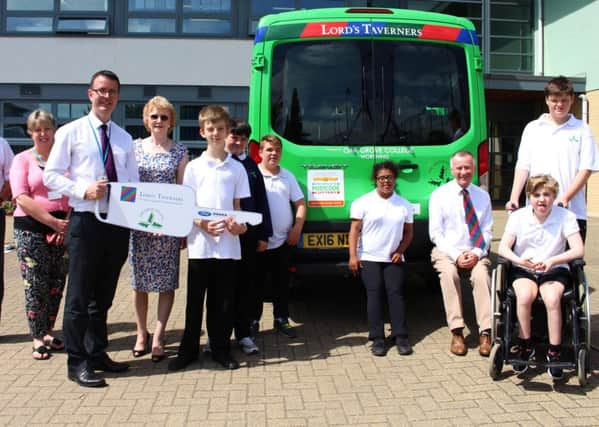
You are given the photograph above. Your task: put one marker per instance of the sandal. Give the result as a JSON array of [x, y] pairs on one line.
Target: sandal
[[158, 357], [55, 344], [42, 353], [138, 353]]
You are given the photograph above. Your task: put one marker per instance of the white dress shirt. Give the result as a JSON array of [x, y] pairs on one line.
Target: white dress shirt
[[6, 156], [77, 150], [447, 220]]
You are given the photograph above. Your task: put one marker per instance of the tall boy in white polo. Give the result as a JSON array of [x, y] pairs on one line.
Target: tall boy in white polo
[[559, 145]]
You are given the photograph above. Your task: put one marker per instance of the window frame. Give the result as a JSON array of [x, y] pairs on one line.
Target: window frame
[[57, 15], [179, 15]]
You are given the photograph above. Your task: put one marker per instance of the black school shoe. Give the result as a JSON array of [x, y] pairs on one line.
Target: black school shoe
[[226, 361], [403, 346], [524, 354], [555, 373], [106, 364], [85, 377], [181, 362], [378, 347]]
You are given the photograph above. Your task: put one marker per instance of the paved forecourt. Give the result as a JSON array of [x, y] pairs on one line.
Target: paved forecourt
[[326, 376]]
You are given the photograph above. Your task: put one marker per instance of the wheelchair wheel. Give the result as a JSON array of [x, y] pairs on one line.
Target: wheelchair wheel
[[586, 319], [496, 280], [583, 360], [496, 361], [584, 307]]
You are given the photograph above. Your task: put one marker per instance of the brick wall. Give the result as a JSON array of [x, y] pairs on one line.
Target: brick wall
[[593, 185]]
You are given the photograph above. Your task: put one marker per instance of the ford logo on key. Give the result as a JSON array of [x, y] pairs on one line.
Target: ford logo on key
[[203, 213]]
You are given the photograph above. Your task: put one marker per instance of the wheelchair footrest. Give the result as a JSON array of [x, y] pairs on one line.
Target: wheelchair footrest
[[542, 363]]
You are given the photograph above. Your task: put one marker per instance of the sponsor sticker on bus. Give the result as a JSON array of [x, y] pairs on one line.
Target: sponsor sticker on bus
[[325, 188]]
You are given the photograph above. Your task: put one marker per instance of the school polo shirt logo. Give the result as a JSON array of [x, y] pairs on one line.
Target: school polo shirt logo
[[128, 194], [574, 138]]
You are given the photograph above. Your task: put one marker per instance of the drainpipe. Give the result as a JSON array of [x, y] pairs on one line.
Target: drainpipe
[[540, 34], [585, 107]]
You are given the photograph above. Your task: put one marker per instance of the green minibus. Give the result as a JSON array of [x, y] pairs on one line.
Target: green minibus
[[345, 88]]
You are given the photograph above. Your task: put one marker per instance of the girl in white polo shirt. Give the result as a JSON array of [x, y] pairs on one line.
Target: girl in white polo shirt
[[381, 230], [534, 241]]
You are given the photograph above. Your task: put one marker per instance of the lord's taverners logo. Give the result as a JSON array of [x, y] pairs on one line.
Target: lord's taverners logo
[[128, 194]]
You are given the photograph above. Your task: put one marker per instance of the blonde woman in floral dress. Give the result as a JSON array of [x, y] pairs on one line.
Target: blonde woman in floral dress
[[154, 258]]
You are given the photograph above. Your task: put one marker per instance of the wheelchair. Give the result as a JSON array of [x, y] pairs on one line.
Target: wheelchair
[[576, 325]]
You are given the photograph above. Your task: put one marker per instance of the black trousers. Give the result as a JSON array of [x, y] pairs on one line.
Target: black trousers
[[245, 287], [97, 252], [382, 278], [2, 235], [215, 277], [273, 262]]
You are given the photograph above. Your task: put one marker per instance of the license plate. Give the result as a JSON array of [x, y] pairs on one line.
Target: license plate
[[325, 240]]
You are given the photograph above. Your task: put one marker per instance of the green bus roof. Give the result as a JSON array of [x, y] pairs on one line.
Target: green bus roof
[[365, 22], [365, 13]]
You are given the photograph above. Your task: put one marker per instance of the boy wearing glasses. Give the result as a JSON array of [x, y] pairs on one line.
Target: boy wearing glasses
[[460, 227], [282, 190]]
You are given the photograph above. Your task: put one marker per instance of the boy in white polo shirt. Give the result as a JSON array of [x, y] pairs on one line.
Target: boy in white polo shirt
[[534, 241], [213, 247], [282, 190], [560, 145]]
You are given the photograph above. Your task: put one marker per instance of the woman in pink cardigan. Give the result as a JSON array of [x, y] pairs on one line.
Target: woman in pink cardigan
[[40, 223]]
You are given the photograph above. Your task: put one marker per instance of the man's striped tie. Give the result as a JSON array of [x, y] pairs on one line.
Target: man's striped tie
[[476, 235], [108, 157]]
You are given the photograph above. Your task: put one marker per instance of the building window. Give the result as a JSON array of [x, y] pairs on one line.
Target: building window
[[511, 36], [260, 8], [60, 16], [314, 4], [84, 6], [188, 123], [67, 112], [134, 120], [207, 6], [82, 25], [202, 17], [206, 26], [29, 5], [152, 25], [471, 10], [28, 24], [14, 118], [152, 6]]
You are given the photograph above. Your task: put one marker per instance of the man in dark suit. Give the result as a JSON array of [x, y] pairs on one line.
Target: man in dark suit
[[94, 151]]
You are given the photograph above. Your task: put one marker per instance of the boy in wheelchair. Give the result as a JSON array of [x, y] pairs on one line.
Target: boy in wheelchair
[[534, 241]]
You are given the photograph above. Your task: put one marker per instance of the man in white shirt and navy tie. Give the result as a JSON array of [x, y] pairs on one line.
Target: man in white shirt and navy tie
[[94, 151], [460, 227]]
